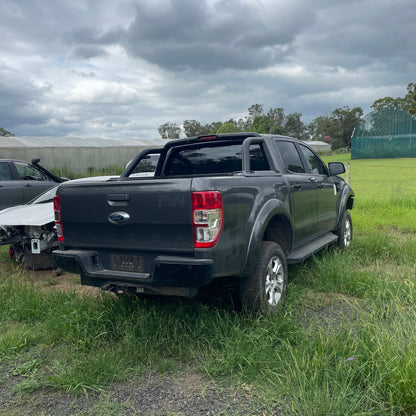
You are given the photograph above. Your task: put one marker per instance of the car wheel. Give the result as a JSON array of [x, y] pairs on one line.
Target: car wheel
[[344, 232], [265, 289]]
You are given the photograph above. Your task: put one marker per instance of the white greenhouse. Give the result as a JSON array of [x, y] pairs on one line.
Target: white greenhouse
[[75, 154]]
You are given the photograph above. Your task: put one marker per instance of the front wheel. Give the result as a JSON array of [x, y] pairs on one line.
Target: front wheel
[[265, 289], [344, 232]]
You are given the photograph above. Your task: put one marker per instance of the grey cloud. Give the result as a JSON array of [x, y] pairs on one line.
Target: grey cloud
[[362, 34], [18, 99], [88, 52], [192, 35]]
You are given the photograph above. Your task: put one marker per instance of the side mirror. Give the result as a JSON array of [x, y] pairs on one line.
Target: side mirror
[[336, 168]]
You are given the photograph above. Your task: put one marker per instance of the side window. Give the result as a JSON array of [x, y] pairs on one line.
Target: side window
[[258, 160], [314, 164], [290, 156], [5, 174], [27, 172]]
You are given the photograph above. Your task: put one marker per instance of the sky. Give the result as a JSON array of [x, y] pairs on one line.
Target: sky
[[120, 69]]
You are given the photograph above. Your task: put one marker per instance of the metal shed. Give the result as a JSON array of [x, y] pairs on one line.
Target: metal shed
[[319, 146], [73, 153]]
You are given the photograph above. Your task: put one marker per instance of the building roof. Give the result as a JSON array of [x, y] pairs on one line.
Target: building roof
[[26, 141]]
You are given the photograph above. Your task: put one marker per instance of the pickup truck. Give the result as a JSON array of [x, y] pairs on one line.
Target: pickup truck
[[240, 205]]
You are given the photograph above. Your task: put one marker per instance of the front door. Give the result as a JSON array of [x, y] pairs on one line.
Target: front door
[[326, 191]]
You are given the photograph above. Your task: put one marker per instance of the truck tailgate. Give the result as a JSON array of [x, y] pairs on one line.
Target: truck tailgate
[[148, 214]]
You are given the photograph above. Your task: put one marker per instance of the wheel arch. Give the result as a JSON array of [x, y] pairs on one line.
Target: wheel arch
[[346, 204], [273, 223]]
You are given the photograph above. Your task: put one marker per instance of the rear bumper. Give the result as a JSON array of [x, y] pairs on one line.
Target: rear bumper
[[169, 275]]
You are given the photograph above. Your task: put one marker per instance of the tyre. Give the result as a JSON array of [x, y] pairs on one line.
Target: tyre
[[344, 232], [265, 289]]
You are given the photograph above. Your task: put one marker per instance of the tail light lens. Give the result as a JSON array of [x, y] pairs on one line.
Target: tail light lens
[[58, 217], [207, 218]]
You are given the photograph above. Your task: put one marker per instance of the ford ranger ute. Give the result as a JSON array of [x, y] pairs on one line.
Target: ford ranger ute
[[238, 205]]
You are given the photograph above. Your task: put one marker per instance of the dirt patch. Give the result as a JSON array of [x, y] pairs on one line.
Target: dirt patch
[[186, 394], [330, 309], [51, 280]]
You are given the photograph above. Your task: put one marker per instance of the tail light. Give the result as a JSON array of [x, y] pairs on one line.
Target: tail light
[[207, 218], [58, 217]]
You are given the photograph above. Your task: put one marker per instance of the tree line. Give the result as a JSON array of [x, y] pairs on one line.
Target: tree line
[[335, 128]]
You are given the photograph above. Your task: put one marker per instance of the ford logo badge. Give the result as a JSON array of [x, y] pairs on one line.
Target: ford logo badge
[[118, 218]]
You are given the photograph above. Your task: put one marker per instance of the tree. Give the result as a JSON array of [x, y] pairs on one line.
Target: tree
[[227, 127], [5, 133], [260, 122], [265, 125], [193, 128], [411, 98], [277, 115], [169, 131], [336, 128], [407, 103], [212, 128], [294, 126], [346, 120], [254, 111], [319, 128]]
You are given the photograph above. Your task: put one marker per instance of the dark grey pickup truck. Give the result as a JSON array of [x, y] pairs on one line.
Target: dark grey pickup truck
[[237, 205]]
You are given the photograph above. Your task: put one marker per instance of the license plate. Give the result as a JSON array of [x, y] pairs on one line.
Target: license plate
[[126, 263]]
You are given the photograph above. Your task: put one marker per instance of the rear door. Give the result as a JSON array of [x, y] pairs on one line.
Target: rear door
[[303, 191]]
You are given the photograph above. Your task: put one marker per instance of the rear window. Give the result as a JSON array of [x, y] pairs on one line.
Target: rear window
[[213, 159]]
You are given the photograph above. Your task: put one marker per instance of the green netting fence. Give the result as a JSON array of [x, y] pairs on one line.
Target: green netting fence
[[385, 133]]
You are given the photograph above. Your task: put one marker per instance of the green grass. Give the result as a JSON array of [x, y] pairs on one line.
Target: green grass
[[344, 344]]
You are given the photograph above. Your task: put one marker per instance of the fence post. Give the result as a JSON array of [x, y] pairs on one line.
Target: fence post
[[348, 173]]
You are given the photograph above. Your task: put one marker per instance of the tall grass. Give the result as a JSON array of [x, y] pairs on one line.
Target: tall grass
[[344, 343]]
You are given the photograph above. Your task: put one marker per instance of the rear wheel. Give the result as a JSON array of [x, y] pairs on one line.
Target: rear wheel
[[344, 232], [265, 289]]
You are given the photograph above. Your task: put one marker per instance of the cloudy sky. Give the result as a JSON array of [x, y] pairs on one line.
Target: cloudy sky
[[109, 69]]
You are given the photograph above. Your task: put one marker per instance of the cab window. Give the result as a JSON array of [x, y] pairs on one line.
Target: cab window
[[313, 163]]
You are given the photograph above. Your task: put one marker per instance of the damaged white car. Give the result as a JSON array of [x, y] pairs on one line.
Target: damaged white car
[[30, 231]]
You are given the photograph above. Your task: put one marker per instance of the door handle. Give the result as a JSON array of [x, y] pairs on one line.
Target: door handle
[[28, 185], [118, 200]]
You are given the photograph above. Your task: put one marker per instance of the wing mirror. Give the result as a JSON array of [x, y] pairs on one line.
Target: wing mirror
[[336, 168]]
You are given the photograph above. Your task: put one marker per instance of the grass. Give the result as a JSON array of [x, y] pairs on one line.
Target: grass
[[344, 344]]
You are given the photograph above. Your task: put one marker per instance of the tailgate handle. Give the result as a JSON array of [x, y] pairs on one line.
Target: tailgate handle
[[118, 199]]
